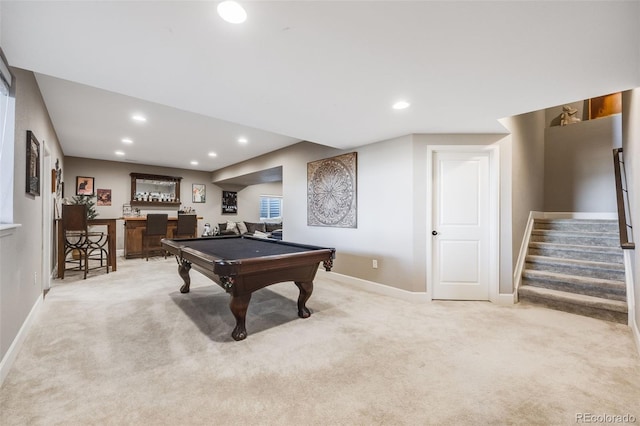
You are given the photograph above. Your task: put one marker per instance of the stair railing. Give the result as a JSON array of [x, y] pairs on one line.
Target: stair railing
[[622, 196]]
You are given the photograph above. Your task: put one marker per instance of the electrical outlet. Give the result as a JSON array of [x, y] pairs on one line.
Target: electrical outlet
[[35, 278], [374, 263]]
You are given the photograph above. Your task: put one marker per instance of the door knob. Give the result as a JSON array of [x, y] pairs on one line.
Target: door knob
[[434, 232]]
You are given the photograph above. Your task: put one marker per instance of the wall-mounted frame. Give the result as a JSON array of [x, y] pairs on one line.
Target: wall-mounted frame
[[104, 197], [229, 202], [606, 105], [331, 191], [198, 192], [85, 185], [155, 190], [33, 165], [58, 179]]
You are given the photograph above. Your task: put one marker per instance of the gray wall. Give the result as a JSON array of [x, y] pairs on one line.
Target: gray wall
[[249, 200], [527, 174], [115, 176], [579, 166], [631, 147], [21, 259], [391, 206]]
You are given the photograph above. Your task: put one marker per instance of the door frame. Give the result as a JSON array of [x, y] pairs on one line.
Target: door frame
[[47, 219], [493, 152]]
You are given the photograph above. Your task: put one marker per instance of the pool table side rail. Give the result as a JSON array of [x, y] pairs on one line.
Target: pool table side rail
[[231, 267]]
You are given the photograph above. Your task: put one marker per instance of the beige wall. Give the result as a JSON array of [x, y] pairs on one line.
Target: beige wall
[[249, 200], [527, 172], [21, 259], [579, 166], [115, 176], [391, 206], [631, 153]]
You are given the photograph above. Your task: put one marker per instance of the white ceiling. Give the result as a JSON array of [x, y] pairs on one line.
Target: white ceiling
[[322, 71]]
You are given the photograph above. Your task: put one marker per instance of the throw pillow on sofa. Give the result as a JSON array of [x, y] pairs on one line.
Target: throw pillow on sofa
[[252, 227], [232, 226], [242, 228]]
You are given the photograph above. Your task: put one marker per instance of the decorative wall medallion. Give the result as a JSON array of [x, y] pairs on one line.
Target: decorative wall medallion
[[331, 192]]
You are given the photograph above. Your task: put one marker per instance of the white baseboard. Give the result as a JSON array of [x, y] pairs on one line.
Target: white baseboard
[[524, 247], [12, 352], [631, 300], [636, 333], [397, 293], [385, 290], [505, 299]]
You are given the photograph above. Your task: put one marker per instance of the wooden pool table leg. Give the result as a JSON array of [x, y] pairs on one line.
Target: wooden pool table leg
[[183, 271], [239, 305], [306, 288]]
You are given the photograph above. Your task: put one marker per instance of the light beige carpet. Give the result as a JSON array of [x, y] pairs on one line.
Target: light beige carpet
[[128, 349]]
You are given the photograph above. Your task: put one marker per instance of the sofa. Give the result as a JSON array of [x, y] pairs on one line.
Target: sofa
[[256, 229]]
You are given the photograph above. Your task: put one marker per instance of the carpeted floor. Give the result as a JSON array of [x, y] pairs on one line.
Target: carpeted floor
[[129, 349]]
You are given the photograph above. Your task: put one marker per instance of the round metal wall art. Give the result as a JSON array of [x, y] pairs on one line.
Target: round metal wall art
[[331, 192]]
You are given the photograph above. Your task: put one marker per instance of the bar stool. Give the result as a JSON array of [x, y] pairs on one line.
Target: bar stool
[[78, 238], [186, 226], [155, 231]]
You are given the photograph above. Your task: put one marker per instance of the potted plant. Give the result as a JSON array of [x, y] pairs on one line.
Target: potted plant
[[90, 203]]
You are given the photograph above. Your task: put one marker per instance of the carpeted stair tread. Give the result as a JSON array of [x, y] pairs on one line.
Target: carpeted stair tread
[[607, 239], [580, 267], [574, 251], [573, 279], [597, 249], [604, 225], [575, 262], [572, 298]]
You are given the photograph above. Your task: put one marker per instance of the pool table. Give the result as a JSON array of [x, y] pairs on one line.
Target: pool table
[[243, 264]]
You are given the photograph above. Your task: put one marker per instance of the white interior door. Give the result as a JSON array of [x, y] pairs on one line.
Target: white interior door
[[461, 225]]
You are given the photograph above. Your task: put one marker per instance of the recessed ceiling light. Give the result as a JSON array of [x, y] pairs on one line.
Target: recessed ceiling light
[[401, 105], [119, 152], [213, 154], [140, 118], [194, 163], [126, 140], [242, 140], [232, 12]]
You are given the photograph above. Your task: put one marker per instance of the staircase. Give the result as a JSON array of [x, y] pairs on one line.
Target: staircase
[[576, 265]]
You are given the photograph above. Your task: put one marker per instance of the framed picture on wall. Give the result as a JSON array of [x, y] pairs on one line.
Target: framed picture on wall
[[229, 202], [606, 105], [33, 165], [198, 192], [85, 185], [104, 197]]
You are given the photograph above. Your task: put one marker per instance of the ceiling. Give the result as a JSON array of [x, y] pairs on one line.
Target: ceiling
[[321, 71]]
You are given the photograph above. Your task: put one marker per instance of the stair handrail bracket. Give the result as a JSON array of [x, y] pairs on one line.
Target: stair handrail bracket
[[622, 199]]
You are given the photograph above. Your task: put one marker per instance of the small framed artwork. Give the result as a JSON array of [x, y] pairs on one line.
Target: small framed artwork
[[198, 192], [603, 106], [104, 197], [33, 165], [85, 185], [229, 202]]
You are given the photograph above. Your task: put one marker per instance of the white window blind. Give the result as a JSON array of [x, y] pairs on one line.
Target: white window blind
[[270, 207], [7, 140]]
